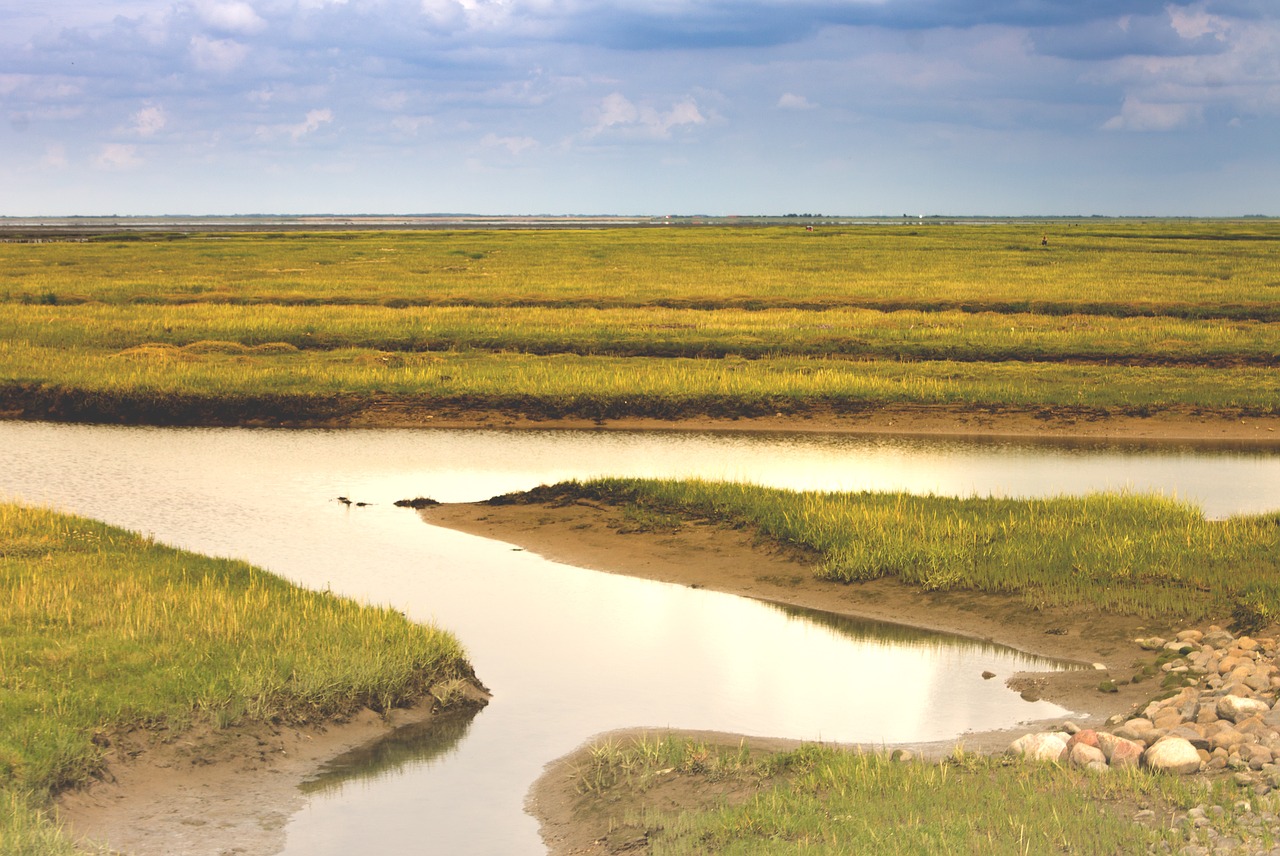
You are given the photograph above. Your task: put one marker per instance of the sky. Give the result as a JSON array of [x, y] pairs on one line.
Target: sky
[[650, 107]]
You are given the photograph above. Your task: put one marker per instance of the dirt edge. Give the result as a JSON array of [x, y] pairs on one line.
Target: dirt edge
[[206, 791]]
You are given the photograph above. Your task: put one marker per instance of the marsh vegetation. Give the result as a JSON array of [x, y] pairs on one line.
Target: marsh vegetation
[[1126, 316], [105, 630]]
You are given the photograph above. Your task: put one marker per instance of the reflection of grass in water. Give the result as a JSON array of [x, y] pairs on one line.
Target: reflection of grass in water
[[416, 744], [885, 634]]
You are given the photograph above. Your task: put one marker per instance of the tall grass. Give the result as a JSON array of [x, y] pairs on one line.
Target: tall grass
[[613, 387], [657, 332], [1122, 553], [103, 629]]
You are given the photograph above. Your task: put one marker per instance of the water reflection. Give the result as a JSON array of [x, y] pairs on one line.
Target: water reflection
[[404, 750], [885, 634]]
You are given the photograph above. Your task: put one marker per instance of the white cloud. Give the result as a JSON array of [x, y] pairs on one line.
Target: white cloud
[[233, 17], [118, 157], [617, 113], [217, 55], [791, 101], [1137, 115], [149, 121], [314, 121], [1191, 23], [515, 145]]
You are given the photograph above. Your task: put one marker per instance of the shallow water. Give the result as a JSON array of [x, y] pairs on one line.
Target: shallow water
[[571, 653]]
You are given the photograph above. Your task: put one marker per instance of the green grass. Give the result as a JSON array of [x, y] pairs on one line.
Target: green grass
[[1122, 316], [1119, 553], [835, 801], [101, 630]]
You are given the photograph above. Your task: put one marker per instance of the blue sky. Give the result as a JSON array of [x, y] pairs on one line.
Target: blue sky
[[1001, 107]]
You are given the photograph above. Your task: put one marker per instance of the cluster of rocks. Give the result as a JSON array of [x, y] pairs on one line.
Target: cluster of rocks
[[1221, 720]]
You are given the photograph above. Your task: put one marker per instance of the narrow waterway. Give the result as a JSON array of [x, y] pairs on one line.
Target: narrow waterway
[[571, 653]]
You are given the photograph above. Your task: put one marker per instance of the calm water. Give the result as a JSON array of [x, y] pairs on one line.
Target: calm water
[[571, 653]]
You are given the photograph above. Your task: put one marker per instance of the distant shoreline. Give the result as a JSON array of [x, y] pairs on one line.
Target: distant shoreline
[[73, 226]]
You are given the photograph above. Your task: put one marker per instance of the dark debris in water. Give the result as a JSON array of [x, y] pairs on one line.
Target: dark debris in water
[[418, 502]]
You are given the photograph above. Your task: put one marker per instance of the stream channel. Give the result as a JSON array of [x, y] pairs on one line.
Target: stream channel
[[571, 653]]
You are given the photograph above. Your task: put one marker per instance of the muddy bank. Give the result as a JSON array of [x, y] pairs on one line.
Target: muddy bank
[[37, 402], [209, 792]]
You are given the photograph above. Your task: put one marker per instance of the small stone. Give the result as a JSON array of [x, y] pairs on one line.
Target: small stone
[[1151, 643], [986, 676]]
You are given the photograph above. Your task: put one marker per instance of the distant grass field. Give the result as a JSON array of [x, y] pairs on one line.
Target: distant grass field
[[1117, 315], [102, 629]]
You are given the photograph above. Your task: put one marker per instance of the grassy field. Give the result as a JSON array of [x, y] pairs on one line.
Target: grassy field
[[1117, 553], [103, 630], [827, 800], [1123, 316]]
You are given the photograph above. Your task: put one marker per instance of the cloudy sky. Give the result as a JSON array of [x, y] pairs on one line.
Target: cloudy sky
[[1012, 107]]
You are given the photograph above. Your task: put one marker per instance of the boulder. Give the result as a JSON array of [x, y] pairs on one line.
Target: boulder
[[1138, 729], [1236, 708], [1084, 755], [1048, 746], [1118, 751], [1172, 755]]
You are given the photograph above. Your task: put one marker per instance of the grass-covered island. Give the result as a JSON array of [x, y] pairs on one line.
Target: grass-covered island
[[105, 632], [1080, 576]]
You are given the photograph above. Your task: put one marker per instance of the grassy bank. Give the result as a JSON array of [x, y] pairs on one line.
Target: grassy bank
[[1118, 553], [826, 800], [104, 631], [1119, 316]]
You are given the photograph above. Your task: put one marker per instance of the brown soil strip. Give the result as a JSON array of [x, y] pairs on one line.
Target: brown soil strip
[[933, 421], [1057, 423]]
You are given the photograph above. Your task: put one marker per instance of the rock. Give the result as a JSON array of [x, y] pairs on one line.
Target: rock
[[1139, 729], [1151, 643], [1192, 636], [1191, 734], [1048, 746], [988, 675], [1217, 638], [1084, 755], [1236, 708], [1118, 751], [1172, 755], [1087, 736], [1225, 738]]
